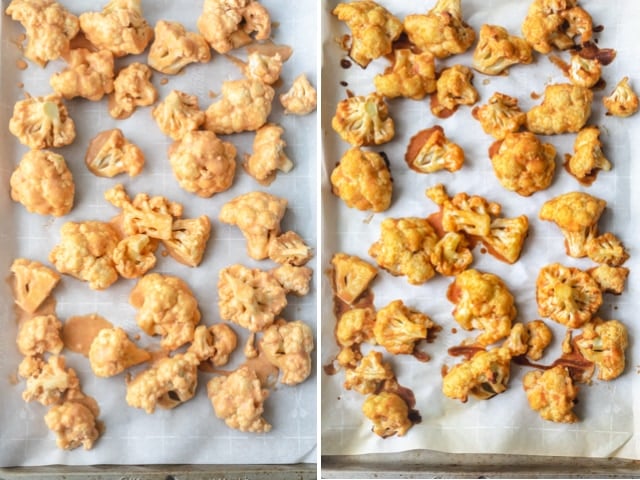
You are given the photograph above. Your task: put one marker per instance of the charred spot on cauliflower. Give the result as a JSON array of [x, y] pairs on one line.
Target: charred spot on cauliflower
[[110, 154], [288, 346], [411, 75], [454, 88], [431, 151], [88, 75], [497, 50], [289, 248], [42, 122], [389, 414], [500, 115], [32, 283], [112, 352], [623, 101], [564, 109], [399, 328], [268, 155], [588, 158], [363, 120], [351, 276], [301, 98], [132, 88], [552, 394], [174, 48], [178, 114]]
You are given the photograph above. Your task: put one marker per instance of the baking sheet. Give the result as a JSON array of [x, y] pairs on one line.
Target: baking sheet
[[504, 424], [190, 434]]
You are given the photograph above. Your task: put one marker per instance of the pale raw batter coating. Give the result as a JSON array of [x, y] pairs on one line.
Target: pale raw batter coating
[[112, 352], [178, 114], [33, 283], [88, 75], [42, 122], [174, 48]]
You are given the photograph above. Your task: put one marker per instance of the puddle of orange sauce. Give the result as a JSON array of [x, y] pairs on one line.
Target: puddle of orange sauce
[[269, 48], [79, 331]]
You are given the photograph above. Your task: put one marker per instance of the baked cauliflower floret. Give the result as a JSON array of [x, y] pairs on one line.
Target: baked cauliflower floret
[[609, 279], [74, 424], [497, 50], [370, 374], [398, 328], [522, 163], [289, 248], [540, 336], [363, 120], [389, 414], [517, 341], [49, 28], [588, 158], [268, 155], [189, 240], [120, 28], [552, 394], [576, 214], [506, 238], [112, 352], [238, 399], [42, 122], [351, 276], [288, 346], [373, 29], [301, 98], [431, 151], [43, 183], [564, 109], [482, 301], [263, 67], [604, 343], [355, 326], [88, 75], [167, 307], [202, 163], [134, 255], [245, 106], [451, 255], [411, 75], [174, 48], [85, 251], [363, 180], [40, 334], [441, 31], [178, 114], [584, 71], [110, 154], [32, 283], [500, 115], [623, 101], [249, 297], [293, 279], [132, 88], [257, 215], [404, 248], [49, 385], [214, 344], [607, 249], [567, 295], [454, 88]]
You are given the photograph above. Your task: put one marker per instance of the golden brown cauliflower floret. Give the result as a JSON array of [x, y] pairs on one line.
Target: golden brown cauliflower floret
[[289, 248], [604, 343], [257, 215], [293, 279], [411, 75], [43, 183], [355, 326], [389, 414], [567, 295], [88, 75], [178, 114], [351, 276], [85, 251], [441, 31], [623, 101], [288, 346], [49, 385], [607, 249], [109, 154], [431, 151], [588, 158], [238, 399], [584, 71], [363, 120], [32, 283], [451, 255], [174, 48], [404, 248], [74, 424], [552, 394], [134, 255], [517, 341], [132, 88], [268, 155], [373, 29], [609, 279], [214, 344], [301, 98], [482, 301], [497, 50], [245, 106], [506, 238], [454, 88], [49, 28], [120, 28], [363, 180], [167, 307], [540, 336], [40, 334], [564, 109], [189, 240], [500, 116], [398, 328], [42, 122], [112, 352], [370, 374], [202, 163]]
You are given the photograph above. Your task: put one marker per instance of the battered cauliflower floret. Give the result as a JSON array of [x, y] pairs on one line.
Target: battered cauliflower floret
[[168, 383], [454, 88], [522, 163], [214, 344], [30, 367], [88, 75], [263, 67], [42, 122], [604, 343], [500, 116], [584, 71], [49, 385], [517, 341], [202, 163], [389, 414], [607, 249], [552, 394], [178, 114], [506, 238], [351, 276], [74, 424], [109, 154], [32, 283], [132, 88], [497, 50], [451, 255], [244, 106], [167, 307], [119, 28], [411, 75], [588, 158], [229, 24], [373, 29], [289, 248], [288, 346], [293, 279], [188, 240], [134, 255], [482, 301], [370, 374], [609, 279], [268, 155], [238, 399], [576, 214], [257, 215], [623, 101], [174, 48], [249, 297], [564, 109], [431, 151], [540, 336], [567, 295], [40, 334], [301, 98], [112, 352], [398, 328], [363, 120], [85, 252], [441, 31], [49, 27], [404, 248], [355, 326], [43, 183], [363, 180]]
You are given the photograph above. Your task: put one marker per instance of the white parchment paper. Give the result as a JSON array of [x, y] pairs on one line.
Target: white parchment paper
[[505, 424], [190, 433]]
